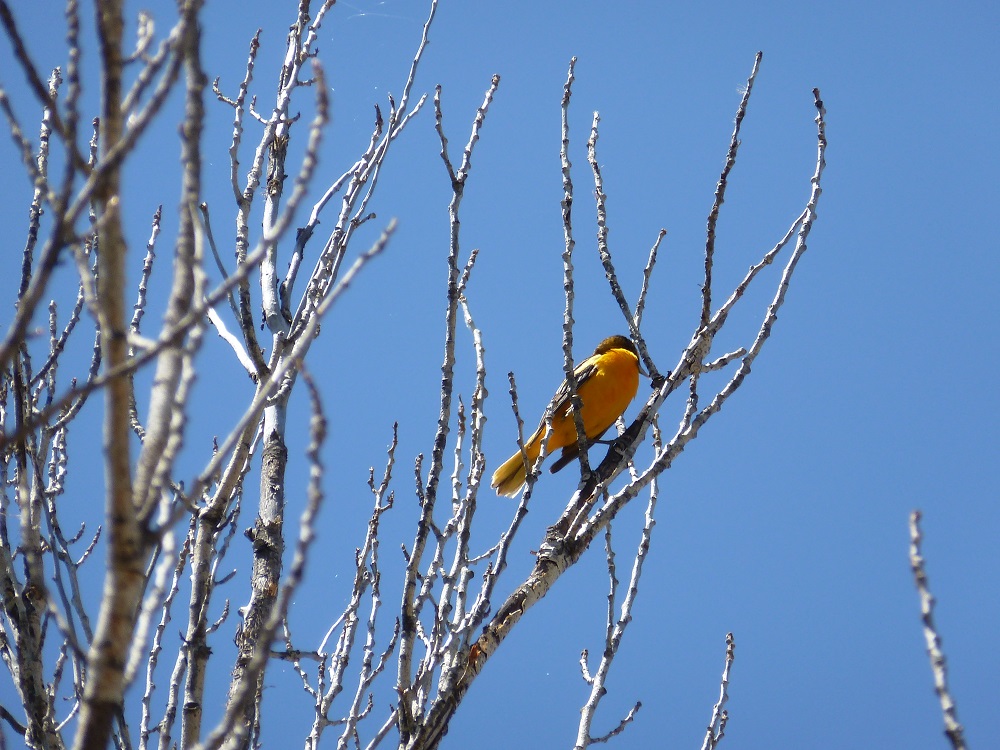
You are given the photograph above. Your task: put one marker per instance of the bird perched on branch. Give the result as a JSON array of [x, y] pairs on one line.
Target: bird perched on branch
[[606, 382]]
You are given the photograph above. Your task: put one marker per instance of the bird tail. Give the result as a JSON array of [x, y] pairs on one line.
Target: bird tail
[[512, 474], [568, 455]]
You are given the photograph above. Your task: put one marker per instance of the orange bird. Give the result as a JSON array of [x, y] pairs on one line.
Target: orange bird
[[606, 382]]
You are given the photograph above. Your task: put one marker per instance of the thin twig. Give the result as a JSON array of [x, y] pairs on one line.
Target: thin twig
[[720, 716], [720, 192], [949, 710], [569, 244]]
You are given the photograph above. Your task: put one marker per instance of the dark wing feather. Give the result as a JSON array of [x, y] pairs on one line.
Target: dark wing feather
[[560, 401]]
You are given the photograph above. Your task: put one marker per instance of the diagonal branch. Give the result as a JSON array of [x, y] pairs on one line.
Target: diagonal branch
[[952, 728]]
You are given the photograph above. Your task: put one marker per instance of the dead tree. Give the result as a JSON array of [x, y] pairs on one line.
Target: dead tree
[[163, 532]]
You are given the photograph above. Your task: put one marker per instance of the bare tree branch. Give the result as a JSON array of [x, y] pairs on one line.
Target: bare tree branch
[[127, 551], [952, 728], [720, 716]]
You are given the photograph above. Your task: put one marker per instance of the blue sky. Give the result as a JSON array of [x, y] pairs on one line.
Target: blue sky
[[786, 521]]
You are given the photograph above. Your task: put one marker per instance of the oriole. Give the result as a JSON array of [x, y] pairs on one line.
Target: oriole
[[606, 382]]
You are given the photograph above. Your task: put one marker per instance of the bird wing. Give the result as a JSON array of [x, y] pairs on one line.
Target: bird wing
[[561, 400]]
